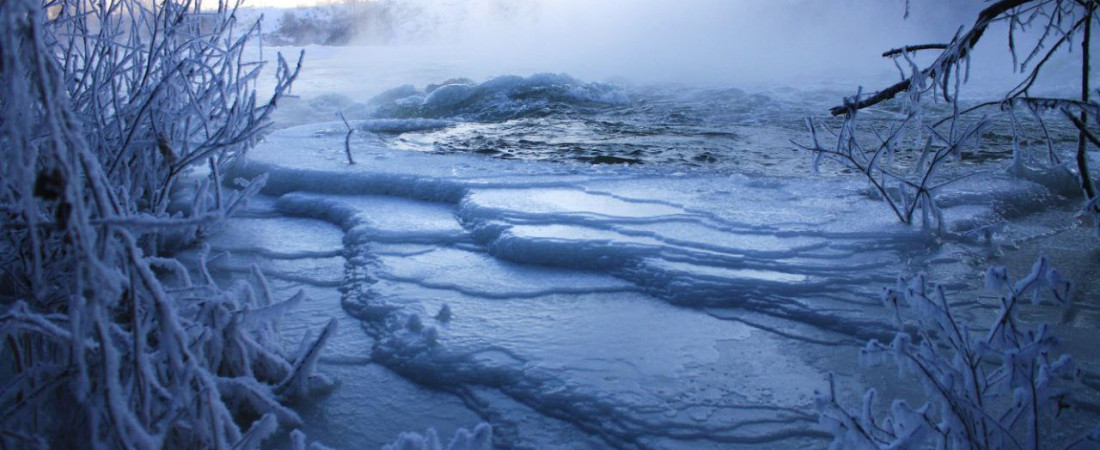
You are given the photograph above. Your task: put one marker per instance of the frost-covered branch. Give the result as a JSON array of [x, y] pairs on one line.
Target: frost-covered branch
[[104, 108], [347, 138], [1050, 26], [953, 53], [988, 388], [913, 48]]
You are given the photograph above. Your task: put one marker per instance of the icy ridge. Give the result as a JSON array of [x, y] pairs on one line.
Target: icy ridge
[[532, 262]]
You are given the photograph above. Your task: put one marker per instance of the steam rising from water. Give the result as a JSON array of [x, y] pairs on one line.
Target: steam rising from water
[[712, 41], [809, 44]]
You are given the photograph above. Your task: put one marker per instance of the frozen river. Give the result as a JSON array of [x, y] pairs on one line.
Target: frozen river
[[672, 302]]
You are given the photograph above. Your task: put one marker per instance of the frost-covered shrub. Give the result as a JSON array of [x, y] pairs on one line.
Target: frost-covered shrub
[[1093, 209], [481, 438], [105, 341], [992, 387], [904, 158]]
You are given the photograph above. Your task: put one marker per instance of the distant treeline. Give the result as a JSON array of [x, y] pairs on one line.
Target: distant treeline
[[386, 21]]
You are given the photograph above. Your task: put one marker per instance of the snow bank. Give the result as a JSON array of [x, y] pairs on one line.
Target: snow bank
[[479, 439]]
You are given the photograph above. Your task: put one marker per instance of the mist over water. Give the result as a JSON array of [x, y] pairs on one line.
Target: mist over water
[[745, 43], [691, 41], [686, 73]]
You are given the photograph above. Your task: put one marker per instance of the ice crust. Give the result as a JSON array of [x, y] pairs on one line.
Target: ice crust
[[620, 303], [370, 405]]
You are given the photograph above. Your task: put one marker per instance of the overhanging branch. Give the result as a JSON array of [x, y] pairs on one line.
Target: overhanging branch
[[953, 53], [913, 48]]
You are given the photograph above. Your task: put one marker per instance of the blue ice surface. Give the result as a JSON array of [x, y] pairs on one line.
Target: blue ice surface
[[589, 305]]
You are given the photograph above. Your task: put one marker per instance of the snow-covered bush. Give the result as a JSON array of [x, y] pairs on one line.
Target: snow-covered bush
[[904, 158], [987, 388], [105, 341], [481, 438]]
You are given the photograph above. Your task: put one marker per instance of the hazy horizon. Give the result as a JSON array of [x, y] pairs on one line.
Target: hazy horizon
[[712, 42]]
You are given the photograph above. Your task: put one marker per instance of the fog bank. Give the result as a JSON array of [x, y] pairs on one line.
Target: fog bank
[[816, 43]]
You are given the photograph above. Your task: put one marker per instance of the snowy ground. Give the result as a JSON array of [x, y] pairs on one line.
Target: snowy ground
[[592, 305], [694, 300]]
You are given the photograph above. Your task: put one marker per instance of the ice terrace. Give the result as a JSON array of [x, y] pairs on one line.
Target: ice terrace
[[573, 305]]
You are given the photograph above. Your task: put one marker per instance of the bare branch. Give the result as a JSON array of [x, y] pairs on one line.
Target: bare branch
[[913, 48], [956, 51], [347, 138]]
